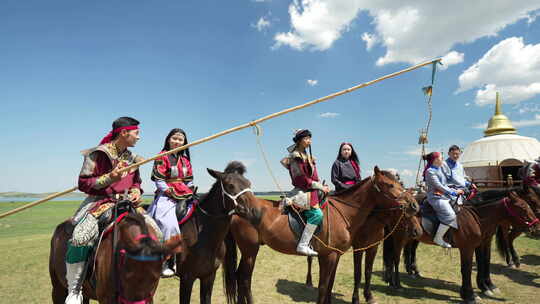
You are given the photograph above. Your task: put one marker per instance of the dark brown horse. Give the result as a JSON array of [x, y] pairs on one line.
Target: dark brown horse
[[135, 275], [263, 223], [370, 235], [506, 233], [205, 231], [477, 225]]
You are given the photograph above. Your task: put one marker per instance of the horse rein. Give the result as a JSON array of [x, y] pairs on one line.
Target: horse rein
[[510, 211]]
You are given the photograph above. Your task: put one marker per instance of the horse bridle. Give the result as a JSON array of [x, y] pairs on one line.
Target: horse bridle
[[232, 197], [514, 214], [394, 199]]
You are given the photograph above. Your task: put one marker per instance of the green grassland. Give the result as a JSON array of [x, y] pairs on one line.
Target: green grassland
[[278, 278]]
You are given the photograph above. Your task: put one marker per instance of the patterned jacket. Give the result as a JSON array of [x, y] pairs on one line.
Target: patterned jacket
[[303, 173], [177, 173]]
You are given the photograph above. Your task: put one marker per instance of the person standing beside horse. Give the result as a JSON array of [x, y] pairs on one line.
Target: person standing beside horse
[[173, 177], [439, 196], [100, 180], [346, 168], [454, 171], [305, 179]]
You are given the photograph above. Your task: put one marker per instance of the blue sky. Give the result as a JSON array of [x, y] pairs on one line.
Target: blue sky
[[69, 68]]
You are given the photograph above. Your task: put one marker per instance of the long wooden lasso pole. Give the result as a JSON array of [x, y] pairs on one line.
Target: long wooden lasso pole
[[231, 130]]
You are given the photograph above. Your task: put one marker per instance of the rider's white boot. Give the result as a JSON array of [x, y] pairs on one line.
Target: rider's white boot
[[73, 275], [438, 239], [303, 246]]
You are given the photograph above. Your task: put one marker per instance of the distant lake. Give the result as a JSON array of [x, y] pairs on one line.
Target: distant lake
[[8, 199]]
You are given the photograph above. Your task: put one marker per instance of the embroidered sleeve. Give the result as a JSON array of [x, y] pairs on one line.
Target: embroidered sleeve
[[91, 175], [160, 170]]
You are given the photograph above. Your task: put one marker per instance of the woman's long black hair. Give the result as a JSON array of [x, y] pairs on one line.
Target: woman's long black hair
[[353, 156], [167, 147]]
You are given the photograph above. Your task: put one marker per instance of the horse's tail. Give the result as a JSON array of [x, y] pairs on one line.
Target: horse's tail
[[502, 244], [229, 269]]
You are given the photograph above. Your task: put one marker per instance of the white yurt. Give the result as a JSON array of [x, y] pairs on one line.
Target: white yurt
[[494, 159]]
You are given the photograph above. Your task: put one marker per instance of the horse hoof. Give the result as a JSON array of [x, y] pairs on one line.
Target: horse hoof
[[496, 290], [517, 265], [488, 293], [476, 298]]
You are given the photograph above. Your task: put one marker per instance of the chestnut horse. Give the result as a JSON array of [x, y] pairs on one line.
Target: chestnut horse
[[477, 225], [262, 222], [408, 227], [506, 233], [128, 275], [205, 231]]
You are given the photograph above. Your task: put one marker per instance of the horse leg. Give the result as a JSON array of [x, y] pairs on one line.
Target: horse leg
[[466, 291], [487, 265], [207, 285], [511, 237], [370, 258], [309, 281], [186, 286], [331, 284], [327, 263], [410, 257], [357, 275], [480, 254], [397, 258], [244, 275]]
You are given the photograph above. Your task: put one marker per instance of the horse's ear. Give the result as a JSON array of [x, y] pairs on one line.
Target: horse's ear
[[215, 174], [377, 170]]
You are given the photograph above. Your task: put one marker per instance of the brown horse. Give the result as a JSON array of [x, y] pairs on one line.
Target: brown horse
[[375, 224], [477, 225], [263, 223], [135, 275], [205, 231], [506, 233]]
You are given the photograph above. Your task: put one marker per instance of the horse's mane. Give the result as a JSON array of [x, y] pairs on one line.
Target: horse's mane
[[235, 167], [489, 196]]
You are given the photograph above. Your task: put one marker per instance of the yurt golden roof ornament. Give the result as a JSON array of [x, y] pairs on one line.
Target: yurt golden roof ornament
[[499, 123]]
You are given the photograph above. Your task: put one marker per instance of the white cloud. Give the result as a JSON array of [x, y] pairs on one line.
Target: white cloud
[[516, 123], [532, 17], [329, 115], [509, 67], [411, 31], [481, 126], [527, 123], [316, 24], [529, 108], [312, 82], [467, 104], [450, 59], [370, 40], [407, 172], [262, 24]]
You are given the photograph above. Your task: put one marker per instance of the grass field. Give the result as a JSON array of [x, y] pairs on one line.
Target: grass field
[[24, 277]]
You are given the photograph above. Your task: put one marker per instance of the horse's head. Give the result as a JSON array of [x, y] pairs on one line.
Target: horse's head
[[233, 186], [521, 213], [391, 194], [139, 259]]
